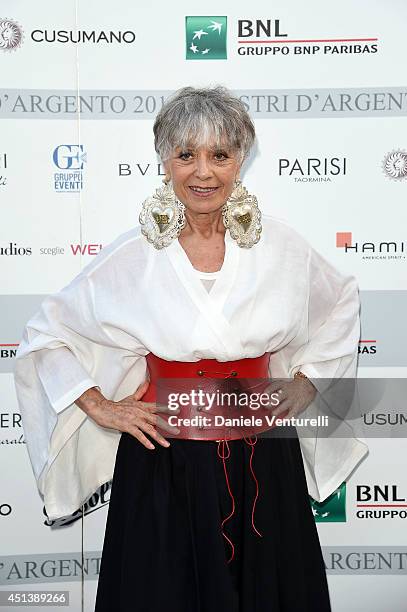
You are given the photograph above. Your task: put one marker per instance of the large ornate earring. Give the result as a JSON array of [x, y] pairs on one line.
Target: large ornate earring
[[162, 216], [242, 216]]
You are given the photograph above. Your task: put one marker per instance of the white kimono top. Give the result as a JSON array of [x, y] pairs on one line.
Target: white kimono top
[[279, 296]]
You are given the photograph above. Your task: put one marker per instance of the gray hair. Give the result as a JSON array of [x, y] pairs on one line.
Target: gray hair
[[197, 117]]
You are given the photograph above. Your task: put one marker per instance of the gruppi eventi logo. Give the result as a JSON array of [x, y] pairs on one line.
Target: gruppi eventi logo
[[70, 160], [11, 35]]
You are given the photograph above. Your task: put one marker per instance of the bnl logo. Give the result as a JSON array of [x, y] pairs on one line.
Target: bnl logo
[[332, 509], [205, 37], [69, 157]]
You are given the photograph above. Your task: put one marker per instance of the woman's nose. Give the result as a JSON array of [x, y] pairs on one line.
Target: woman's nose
[[203, 169]]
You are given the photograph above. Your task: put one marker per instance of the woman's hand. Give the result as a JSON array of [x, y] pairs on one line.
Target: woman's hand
[[129, 414], [294, 396]]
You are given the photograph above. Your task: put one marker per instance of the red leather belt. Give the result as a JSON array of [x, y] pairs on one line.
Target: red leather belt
[[244, 376], [230, 385]]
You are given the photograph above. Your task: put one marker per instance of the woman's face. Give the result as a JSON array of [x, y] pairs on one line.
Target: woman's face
[[203, 178]]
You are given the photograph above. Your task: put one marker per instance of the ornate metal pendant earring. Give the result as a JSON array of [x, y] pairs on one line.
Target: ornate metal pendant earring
[[242, 217], [162, 216]]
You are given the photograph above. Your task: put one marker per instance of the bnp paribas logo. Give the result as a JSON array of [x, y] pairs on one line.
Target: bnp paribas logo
[[332, 510], [205, 38]]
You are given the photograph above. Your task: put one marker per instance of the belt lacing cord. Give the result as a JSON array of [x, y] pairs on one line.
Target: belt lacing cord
[[224, 456], [252, 443]]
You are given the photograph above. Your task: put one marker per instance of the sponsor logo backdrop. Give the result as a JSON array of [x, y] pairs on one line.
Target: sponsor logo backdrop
[[81, 84]]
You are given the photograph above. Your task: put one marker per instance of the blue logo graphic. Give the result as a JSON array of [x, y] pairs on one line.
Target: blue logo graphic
[[69, 158]]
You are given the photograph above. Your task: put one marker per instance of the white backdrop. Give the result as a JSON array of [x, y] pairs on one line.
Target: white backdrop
[[331, 92]]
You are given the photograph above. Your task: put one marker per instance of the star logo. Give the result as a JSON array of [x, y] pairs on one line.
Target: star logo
[[199, 34], [205, 37], [215, 26]]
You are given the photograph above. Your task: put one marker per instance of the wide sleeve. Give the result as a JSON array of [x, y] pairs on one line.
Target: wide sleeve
[[326, 350], [331, 331], [64, 351], [57, 339]]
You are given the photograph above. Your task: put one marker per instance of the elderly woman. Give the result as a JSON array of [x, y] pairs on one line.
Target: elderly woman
[[204, 294]]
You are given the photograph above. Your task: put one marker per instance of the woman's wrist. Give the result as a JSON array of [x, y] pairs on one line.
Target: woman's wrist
[[304, 378], [90, 400]]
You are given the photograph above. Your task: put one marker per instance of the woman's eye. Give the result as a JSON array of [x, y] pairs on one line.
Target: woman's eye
[[220, 156], [185, 156]]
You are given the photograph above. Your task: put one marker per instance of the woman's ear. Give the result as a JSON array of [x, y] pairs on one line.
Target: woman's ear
[[237, 177], [167, 176]]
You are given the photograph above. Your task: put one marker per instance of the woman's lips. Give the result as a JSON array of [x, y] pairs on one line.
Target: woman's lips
[[202, 192]]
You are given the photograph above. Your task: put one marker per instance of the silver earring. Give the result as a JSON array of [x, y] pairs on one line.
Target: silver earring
[[162, 216], [242, 217]]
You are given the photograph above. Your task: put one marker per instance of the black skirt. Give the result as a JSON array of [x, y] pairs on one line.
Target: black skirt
[[164, 548]]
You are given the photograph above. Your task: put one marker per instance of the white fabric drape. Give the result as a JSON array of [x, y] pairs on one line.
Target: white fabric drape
[[279, 296]]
